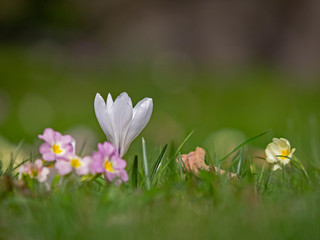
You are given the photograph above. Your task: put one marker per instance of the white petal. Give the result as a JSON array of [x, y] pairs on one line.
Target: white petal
[[274, 148], [284, 143], [42, 177], [101, 110], [292, 152], [141, 116], [73, 142], [109, 101], [285, 161], [121, 116], [276, 167], [124, 97], [271, 158]]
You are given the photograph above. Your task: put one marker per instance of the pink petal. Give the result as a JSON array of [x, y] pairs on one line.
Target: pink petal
[[48, 135], [63, 167]]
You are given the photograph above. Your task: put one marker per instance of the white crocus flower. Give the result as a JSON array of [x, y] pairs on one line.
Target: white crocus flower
[[120, 121], [279, 152]]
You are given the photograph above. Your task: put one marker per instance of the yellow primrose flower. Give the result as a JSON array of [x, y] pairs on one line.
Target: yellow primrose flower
[[279, 152]]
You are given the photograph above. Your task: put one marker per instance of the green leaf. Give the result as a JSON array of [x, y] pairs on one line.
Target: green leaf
[[157, 164], [134, 172]]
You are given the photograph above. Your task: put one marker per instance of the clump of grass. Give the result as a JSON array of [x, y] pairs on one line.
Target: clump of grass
[[162, 201]]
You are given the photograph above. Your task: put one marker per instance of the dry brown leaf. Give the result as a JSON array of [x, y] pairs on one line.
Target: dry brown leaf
[[195, 161]]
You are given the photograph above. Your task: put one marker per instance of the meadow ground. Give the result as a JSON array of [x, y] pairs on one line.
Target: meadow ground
[[224, 110]]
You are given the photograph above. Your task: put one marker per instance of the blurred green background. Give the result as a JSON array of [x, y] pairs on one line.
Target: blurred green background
[[208, 65]]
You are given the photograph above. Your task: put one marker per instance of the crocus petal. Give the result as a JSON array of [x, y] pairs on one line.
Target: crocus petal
[[141, 116], [121, 116], [124, 97], [102, 114]]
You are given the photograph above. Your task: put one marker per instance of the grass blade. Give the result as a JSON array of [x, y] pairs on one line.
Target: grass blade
[[178, 150], [180, 165], [297, 164], [134, 172], [240, 162], [243, 144], [17, 151], [183, 142], [145, 164], [158, 162], [26, 160]]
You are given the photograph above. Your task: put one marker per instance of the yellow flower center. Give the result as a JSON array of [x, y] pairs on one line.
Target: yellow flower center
[[74, 162], [108, 166], [285, 153], [56, 149]]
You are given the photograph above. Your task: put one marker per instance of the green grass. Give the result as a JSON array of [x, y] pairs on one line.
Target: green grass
[[160, 201], [258, 204]]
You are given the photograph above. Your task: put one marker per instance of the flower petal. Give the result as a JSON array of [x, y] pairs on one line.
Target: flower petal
[[141, 116], [43, 174], [121, 116], [109, 101], [101, 110], [46, 151], [63, 167], [292, 152], [124, 97], [48, 135], [97, 163], [119, 163], [124, 175], [276, 167], [284, 143], [38, 164]]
